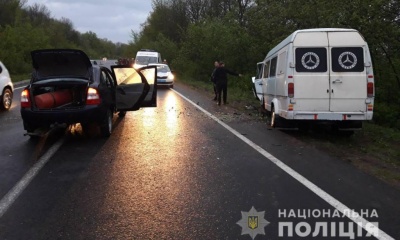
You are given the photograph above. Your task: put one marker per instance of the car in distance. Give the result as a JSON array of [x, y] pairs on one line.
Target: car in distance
[[6, 88], [145, 57], [165, 76], [66, 88]]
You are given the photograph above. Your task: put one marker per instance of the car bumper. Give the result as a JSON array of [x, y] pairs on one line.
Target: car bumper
[[45, 118], [165, 82]]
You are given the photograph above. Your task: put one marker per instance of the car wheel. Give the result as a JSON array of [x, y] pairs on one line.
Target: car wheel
[[121, 114], [30, 130], [172, 86], [106, 126], [6, 100]]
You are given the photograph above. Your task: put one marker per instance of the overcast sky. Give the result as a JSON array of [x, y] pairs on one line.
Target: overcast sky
[[111, 19]]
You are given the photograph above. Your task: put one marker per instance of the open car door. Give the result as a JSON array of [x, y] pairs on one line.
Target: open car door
[[136, 88]]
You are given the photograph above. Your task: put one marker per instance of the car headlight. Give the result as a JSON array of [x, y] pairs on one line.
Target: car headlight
[[171, 76]]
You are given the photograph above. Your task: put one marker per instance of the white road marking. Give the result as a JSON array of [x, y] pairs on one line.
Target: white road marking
[[19, 87], [14, 193], [360, 221]]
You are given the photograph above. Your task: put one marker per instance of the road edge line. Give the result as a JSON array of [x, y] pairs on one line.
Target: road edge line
[[12, 195], [352, 215]]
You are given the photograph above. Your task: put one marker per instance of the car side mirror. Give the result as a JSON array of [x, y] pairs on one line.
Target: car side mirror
[[253, 79]]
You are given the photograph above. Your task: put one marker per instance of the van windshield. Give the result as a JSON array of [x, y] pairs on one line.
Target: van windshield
[[144, 60]]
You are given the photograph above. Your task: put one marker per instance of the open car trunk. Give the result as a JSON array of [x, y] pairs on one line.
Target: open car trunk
[[59, 95]]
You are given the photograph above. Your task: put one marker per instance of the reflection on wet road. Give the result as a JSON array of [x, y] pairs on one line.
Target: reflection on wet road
[[159, 176]]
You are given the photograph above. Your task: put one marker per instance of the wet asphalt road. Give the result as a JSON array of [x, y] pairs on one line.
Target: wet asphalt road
[[172, 172]]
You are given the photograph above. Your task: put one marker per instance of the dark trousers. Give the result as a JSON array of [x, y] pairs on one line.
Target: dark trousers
[[222, 87], [215, 91]]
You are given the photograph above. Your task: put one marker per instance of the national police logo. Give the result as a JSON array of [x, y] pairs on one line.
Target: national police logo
[[253, 223]]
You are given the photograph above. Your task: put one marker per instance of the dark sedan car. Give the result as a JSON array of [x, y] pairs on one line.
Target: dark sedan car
[[66, 89]]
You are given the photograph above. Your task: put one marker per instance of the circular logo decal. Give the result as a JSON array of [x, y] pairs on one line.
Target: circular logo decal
[[347, 60], [310, 60]]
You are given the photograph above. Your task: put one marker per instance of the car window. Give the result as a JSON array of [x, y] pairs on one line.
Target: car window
[[281, 63], [146, 60], [272, 69], [103, 78], [311, 60], [163, 69], [149, 75], [348, 59], [126, 76], [106, 79]]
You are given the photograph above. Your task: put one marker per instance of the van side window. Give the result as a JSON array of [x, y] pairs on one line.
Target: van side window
[[266, 69], [311, 60], [281, 63], [348, 59], [272, 70]]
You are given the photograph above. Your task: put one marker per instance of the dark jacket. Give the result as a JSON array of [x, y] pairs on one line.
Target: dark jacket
[[212, 79], [221, 74]]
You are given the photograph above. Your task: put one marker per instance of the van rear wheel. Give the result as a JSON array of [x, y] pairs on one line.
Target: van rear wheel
[[276, 121]]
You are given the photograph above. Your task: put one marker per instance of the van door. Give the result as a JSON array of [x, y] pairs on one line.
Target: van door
[[258, 81], [348, 78], [311, 80]]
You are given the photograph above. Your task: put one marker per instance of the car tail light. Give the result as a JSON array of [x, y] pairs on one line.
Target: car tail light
[[25, 100], [370, 89], [291, 90], [93, 97]]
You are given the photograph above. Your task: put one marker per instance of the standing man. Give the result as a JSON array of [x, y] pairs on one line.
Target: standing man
[[212, 79], [222, 81]]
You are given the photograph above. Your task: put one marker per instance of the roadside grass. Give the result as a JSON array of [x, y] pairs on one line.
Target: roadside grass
[[20, 77], [374, 149]]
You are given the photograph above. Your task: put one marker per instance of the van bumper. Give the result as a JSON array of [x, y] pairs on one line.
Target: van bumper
[[331, 116]]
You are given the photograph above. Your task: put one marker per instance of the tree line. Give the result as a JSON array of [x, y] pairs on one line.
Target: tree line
[[192, 34], [25, 28]]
